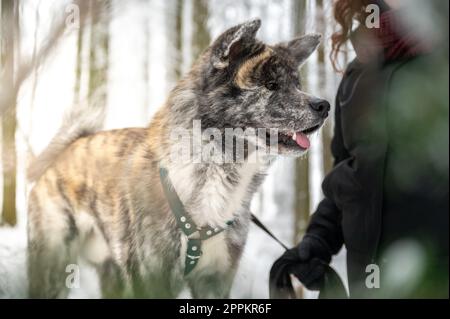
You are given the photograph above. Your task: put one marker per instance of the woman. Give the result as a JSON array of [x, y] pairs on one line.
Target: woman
[[386, 198]]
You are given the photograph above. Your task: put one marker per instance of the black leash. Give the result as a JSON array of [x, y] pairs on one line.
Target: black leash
[[258, 223]]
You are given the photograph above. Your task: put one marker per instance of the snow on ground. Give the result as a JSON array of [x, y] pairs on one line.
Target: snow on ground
[[251, 280], [13, 278], [13, 269]]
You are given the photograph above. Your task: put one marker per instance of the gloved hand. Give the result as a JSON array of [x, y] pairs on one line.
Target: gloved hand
[[307, 261]]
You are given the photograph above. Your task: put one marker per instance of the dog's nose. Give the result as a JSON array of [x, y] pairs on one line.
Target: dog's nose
[[322, 107]]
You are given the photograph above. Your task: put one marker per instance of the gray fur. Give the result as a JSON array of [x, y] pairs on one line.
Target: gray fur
[[302, 47]]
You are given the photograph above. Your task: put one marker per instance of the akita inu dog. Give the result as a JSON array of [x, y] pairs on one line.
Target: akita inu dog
[[151, 224]]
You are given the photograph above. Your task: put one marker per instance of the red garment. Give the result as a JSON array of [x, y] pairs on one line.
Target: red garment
[[397, 41]]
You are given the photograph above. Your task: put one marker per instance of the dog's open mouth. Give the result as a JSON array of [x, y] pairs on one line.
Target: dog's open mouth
[[296, 139]]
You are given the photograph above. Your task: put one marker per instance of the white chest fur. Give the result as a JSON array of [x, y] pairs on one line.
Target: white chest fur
[[214, 202], [211, 199]]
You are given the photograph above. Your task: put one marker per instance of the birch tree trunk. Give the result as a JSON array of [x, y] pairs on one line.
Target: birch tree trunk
[[201, 37], [9, 38], [327, 130], [99, 48], [302, 204], [79, 65], [179, 37]]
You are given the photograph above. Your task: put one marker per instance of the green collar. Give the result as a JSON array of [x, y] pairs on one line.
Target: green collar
[[196, 235]]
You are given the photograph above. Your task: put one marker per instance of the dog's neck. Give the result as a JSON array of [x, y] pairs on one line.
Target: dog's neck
[[212, 193]]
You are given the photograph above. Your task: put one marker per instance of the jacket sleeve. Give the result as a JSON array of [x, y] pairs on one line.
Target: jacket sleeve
[[325, 223]]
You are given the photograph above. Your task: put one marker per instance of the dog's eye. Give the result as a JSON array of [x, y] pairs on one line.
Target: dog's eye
[[272, 86]]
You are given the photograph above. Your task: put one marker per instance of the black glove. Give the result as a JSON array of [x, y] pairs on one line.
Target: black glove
[[307, 261]]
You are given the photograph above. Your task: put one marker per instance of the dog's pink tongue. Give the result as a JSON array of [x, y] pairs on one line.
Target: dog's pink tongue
[[302, 140]]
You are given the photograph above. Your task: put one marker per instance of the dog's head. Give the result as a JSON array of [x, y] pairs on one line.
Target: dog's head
[[246, 83]]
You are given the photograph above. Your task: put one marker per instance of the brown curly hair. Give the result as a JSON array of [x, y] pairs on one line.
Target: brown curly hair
[[345, 12]]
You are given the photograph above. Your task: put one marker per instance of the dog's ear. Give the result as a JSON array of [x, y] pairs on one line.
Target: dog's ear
[[302, 47], [233, 42]]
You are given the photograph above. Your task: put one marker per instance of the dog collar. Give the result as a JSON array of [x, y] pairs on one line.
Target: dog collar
[[196, 235]]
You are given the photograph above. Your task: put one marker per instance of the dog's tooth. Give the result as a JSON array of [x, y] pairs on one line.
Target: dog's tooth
[[294, 136]]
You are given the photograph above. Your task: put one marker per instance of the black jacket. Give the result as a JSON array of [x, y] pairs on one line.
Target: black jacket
[[390, 178]]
